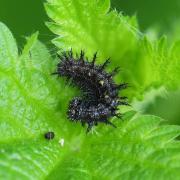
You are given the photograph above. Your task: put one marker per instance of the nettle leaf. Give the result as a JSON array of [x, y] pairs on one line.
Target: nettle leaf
[[91, 26], [32, 102]]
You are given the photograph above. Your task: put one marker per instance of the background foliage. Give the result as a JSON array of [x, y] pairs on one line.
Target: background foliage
[[162, 14]]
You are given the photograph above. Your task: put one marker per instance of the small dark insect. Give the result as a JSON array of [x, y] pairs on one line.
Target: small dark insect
[[100, 100], [49, 135]]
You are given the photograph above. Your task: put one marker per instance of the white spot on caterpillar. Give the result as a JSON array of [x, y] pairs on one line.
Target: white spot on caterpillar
[[101, 82]]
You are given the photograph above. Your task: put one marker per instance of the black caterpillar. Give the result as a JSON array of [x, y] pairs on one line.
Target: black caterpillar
[[100, 98]]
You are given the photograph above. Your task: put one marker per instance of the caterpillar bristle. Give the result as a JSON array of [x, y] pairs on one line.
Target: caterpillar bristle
[[122, 86], [111, 124], [81, 56], [124, 103], [118, 115], [70, 53], [54, 73], [115, 71], [59, 56], [123, 98], [94, 58], [105, 64]]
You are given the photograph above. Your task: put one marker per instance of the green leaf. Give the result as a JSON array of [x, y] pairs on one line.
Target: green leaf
[[84, 25], [8, 48], [29, 107], [89, 25], [138, 149]]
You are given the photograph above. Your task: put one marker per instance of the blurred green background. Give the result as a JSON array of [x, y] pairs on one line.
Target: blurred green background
[[158, 13], [162, 16], [25, 17]]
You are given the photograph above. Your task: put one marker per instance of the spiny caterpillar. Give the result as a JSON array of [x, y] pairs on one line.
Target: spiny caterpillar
[[99, 101]]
